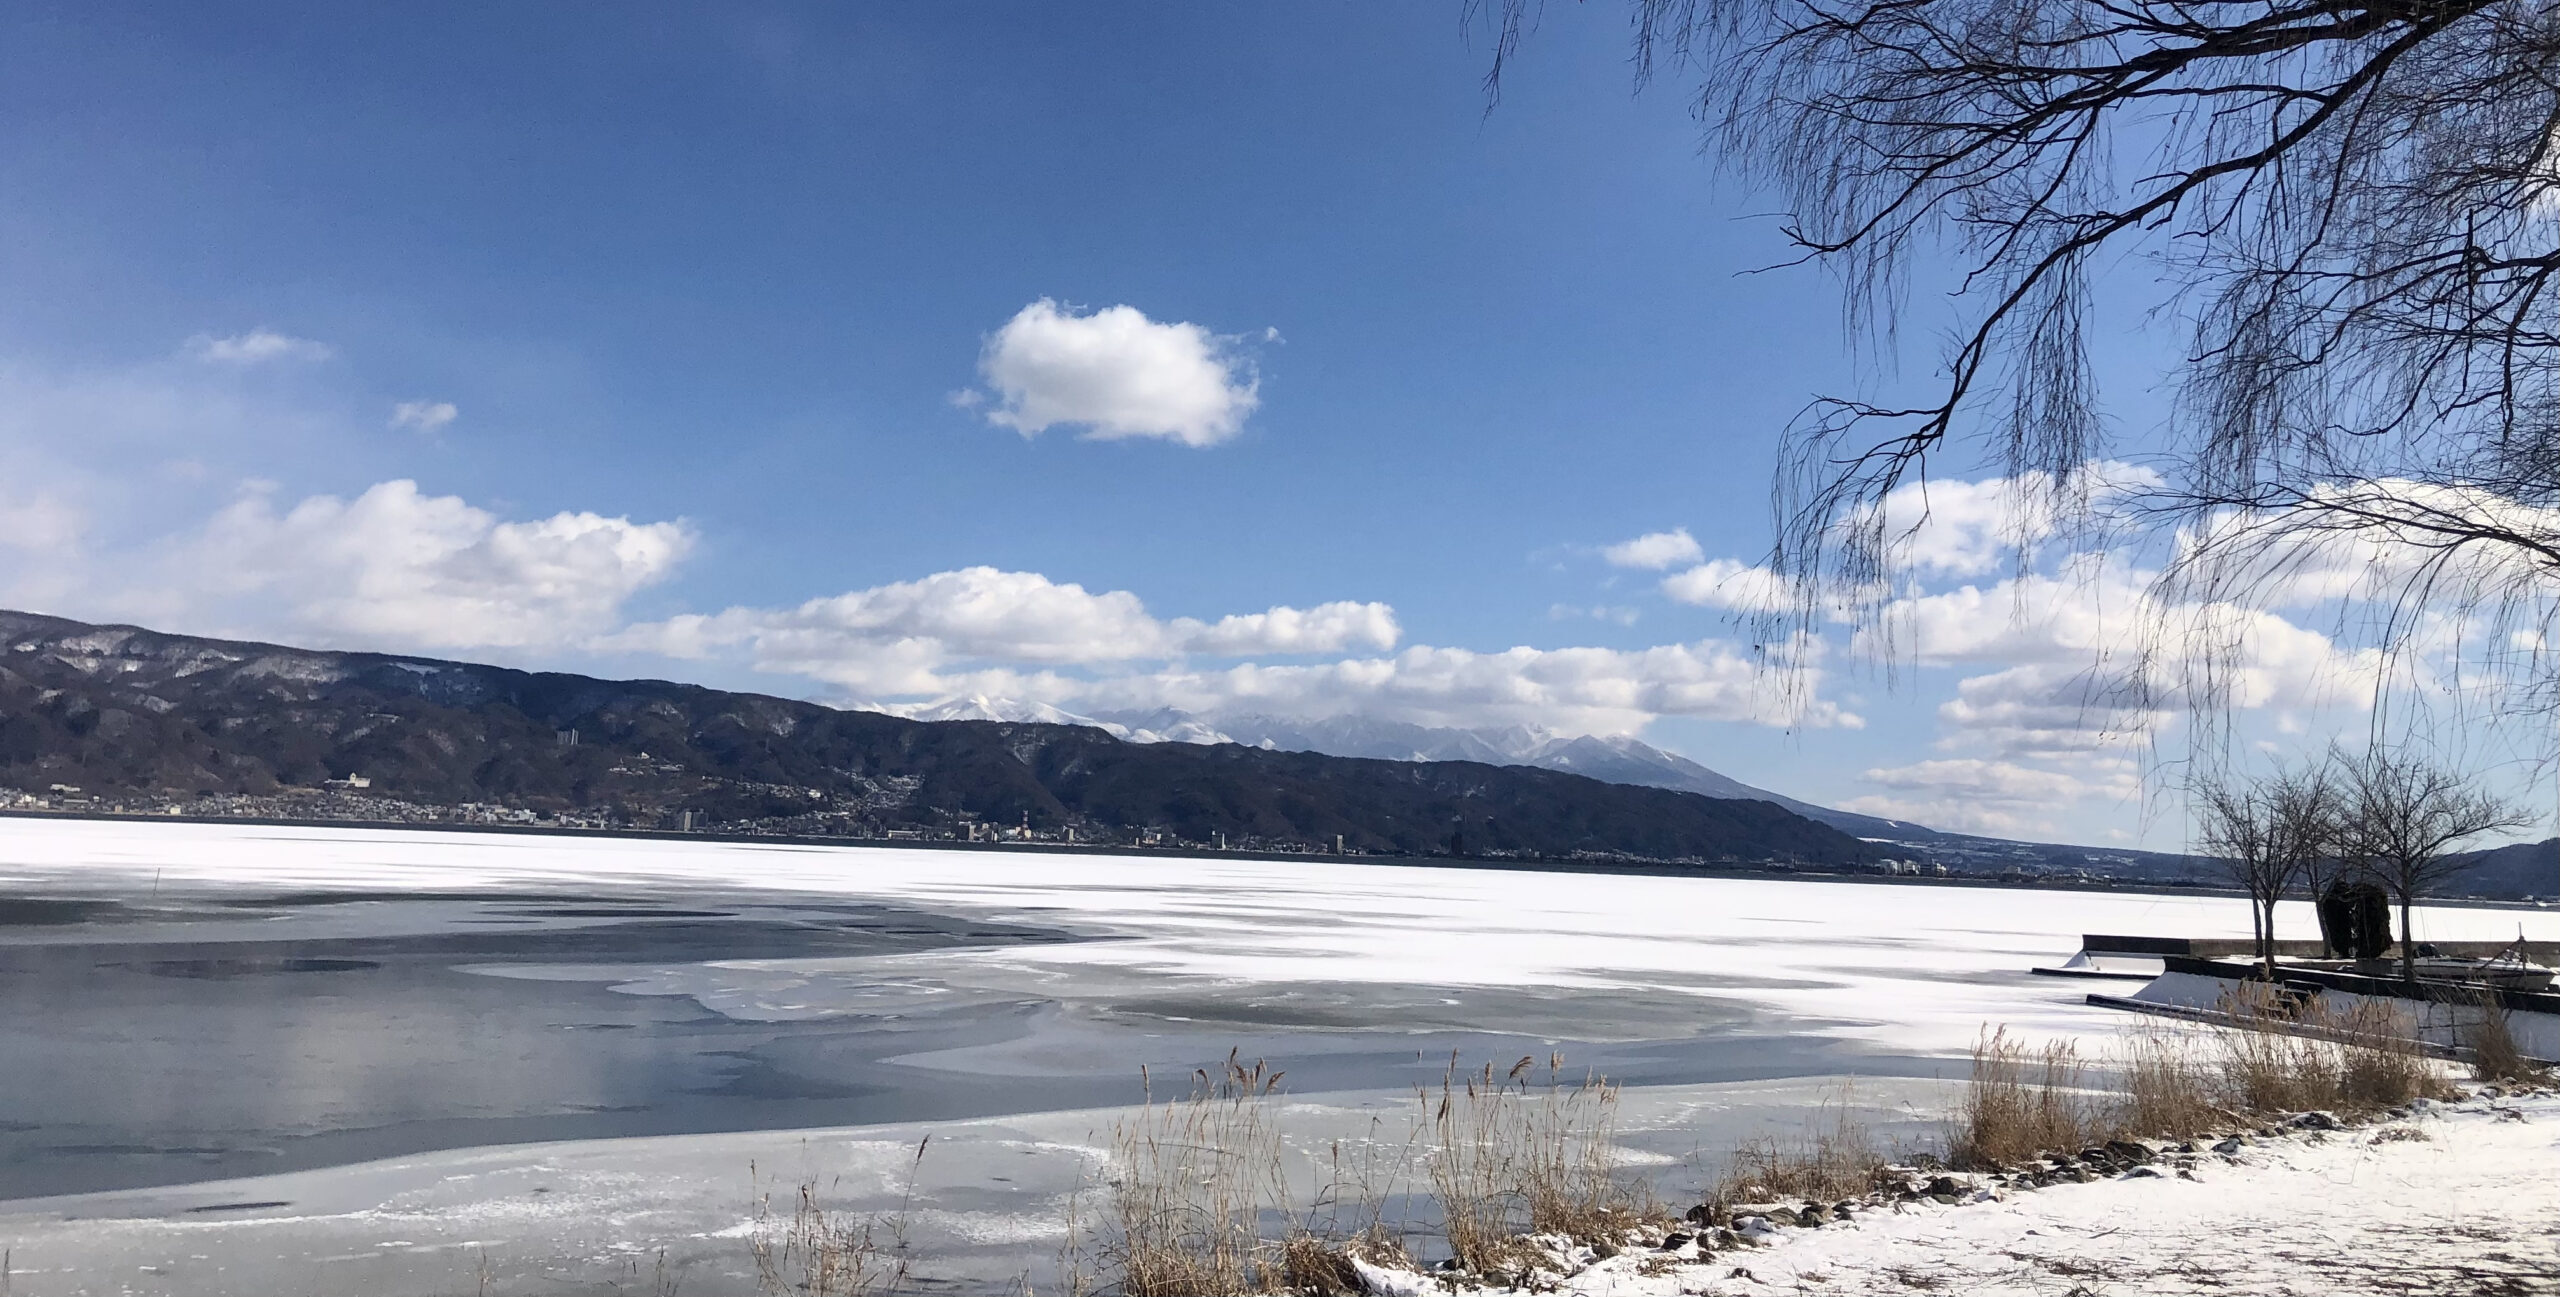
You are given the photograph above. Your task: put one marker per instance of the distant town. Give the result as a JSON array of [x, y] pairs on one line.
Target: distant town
[[351, 800]]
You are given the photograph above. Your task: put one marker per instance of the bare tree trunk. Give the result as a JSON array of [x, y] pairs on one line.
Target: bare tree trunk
[[2408, 942]]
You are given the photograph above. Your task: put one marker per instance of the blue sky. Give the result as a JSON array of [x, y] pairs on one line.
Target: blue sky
[[606, 336]]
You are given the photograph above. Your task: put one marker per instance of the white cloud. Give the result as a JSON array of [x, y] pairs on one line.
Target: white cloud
[[1997, 797], [2047, 709], [256, 347], [971, 613], [1118, 374], [1996, 780], [1619, 614], [909, 637], [40, 524], [1968, 529], [1656, 550], [2093, 659], [1575, 690], [1325, 628], [1729, 584], [1020, 635], [2038, 618], [2294, 558], [397, 567], [424, 416]]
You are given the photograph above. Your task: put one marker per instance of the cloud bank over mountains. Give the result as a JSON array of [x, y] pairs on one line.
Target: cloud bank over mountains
[[2066, 661], [2052, 659], [1022, 635]]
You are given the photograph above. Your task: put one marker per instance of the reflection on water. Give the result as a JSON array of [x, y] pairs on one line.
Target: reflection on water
[[147, 1056], [183, 1042]]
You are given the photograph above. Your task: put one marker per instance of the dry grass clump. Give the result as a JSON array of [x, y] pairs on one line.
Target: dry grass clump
[[1194, 1183], [2022, 1102], [2358, 1057], [822, 1253], [1838, 1158], [1190, 1181], [1313, 1265], [1322, 1267], [1509, 1158], [2266, 1066], [2172, 1086], [2489, 1038], [2273, 1055]]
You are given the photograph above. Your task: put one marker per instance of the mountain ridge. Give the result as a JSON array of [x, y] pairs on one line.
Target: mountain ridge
[[1615, 759], [132, 713]]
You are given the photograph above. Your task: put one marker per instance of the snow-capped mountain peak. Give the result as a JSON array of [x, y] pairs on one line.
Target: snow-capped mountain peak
[[980, 707], [1615, 758]]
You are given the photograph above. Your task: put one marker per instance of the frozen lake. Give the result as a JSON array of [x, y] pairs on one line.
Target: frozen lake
[[251, 1059]]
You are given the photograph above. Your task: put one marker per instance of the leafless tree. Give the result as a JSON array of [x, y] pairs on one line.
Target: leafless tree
[[2270, 833], [2404, 818], [2235, 826], [2310, 807], [2351, 201]]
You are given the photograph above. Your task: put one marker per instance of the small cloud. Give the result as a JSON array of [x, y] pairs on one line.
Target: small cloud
[[1326, 628], [424, 416], [1619, 614], [967, 398], [40, 524], [256, 347], [1655, 551], [1737, 587], [1117, 373]]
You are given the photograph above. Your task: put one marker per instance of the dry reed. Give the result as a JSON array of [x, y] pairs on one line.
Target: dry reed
[[1837, 1158], [2022, 1101], [2361, 1056], [822, 1253], [2271, 1055], [1512, 1158], [1319, 1266], [1346, 1218], [2489, 1038], [2172, 1086], [1191, 1179]]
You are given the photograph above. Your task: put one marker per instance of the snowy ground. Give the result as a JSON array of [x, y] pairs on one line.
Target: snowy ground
[[2470, 1208], [1773, 991]]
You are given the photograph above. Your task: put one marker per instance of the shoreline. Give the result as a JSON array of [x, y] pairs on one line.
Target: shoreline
[[2450, 1197], [1631, 868]]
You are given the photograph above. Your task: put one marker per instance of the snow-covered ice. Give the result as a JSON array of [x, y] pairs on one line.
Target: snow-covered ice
[[1914, 967], [1304, 956]]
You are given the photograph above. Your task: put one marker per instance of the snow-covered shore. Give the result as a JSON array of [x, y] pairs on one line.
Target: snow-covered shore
[[1735, 1007], [2456, 1198]]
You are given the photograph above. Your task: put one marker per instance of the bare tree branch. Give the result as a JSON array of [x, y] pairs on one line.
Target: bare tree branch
[[2352, 201]]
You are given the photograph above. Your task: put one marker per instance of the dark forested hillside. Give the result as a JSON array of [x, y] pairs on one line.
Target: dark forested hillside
[[112, 712]]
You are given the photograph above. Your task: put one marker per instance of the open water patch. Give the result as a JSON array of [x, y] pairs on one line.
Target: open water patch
[[200, 1047]]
